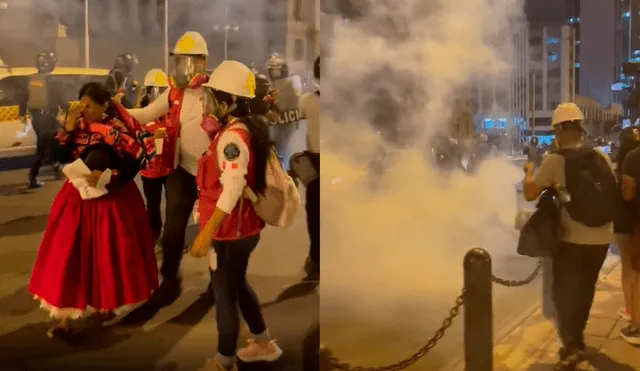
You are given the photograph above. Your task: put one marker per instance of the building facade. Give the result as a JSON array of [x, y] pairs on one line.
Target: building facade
[[303, 35], [500, 106], [247, 31]]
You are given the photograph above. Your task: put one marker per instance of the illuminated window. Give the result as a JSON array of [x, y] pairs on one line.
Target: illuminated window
[[297, 10], [553, 40]]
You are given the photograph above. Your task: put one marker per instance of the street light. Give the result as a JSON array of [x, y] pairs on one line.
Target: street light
[[226, 28]]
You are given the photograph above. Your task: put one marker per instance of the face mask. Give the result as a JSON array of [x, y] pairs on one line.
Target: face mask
[[187, 72], [182, 83], [211, 125]]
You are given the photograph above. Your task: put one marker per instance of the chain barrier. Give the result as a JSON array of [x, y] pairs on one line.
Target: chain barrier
[[335, 364], [524, 282]]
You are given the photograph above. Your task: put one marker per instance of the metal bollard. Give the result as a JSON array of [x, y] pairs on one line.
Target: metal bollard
[[478, 311], [311, 348]]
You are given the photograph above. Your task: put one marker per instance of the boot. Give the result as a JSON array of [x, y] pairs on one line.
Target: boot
[[34, 184]]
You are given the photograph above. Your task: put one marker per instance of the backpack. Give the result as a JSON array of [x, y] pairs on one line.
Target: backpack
[[591, 185], [279, 202], [542, 232]]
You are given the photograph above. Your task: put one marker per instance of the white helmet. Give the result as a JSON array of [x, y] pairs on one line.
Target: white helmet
[[566, 112], [157, 78], [234, 78], [191, 43]]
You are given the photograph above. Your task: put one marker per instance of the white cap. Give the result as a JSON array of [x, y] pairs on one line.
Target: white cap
[[155, 77], [566, 112], [234, 78], [191, 43]]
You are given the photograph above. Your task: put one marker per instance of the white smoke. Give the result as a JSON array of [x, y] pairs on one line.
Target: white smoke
[[387, 251]]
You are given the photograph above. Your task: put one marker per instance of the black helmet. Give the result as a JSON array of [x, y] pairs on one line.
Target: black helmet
[[46, 62], [277, 67], [263, 85], [316, 68], [534, 141], [126, 62]]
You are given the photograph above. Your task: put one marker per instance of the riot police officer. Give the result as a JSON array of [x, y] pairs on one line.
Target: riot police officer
[[42, 104], [288, 89], [120, 78]]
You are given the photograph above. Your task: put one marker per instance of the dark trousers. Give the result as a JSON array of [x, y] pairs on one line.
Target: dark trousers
[[313, 211], [181, 193], [575, 273], [233, 294], [152, 188], [44, 142]]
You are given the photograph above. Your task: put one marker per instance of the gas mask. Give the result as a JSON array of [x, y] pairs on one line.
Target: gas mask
[[153, 92], [188, 71], [214, 114]]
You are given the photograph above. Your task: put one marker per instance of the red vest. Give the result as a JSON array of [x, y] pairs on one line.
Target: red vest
[[243, 221], [162, 164], [170, 145]]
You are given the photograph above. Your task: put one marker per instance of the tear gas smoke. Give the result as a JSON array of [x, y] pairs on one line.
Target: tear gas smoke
[[390, 250], [136, 26]]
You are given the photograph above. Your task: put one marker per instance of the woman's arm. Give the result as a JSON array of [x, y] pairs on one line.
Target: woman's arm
[[153, 111]]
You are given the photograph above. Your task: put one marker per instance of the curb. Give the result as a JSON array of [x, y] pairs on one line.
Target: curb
[[459, 365]]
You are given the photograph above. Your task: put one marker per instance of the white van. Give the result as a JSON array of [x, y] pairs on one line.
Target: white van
[[17, 138]]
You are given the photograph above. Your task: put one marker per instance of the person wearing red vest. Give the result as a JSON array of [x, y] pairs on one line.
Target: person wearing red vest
[[236, 159], [183, 103], [154, 177]]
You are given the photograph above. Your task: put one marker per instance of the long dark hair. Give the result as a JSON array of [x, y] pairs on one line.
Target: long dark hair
[[100, 95], [628, 142], [261, 144]]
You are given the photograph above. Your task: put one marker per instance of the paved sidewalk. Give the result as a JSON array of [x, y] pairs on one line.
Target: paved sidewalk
[[533, 346]]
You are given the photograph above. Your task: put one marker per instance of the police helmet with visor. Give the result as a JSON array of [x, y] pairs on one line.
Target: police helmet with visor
[[46, 62], [277, 67], [189, 59], [126, 62]]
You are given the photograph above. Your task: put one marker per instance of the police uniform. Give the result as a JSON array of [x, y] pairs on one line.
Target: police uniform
[[42, 104], [310, 110]]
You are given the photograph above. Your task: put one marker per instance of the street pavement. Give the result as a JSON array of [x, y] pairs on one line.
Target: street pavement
[[533, 346], [386, 333], [180, 337]]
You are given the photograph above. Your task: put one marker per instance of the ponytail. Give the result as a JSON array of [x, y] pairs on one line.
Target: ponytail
[[261, 146]]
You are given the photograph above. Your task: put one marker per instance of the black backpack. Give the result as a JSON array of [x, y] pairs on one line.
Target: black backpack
[[591, 185], [541, 234]]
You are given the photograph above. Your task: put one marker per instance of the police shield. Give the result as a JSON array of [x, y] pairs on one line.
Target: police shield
[[289, 90]]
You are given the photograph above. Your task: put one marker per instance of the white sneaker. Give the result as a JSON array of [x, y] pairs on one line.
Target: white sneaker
[[256, 352], [631, 334], [624, 314]]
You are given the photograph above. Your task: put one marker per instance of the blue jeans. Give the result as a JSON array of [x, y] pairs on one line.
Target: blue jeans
[[233, 294], [281, 134]]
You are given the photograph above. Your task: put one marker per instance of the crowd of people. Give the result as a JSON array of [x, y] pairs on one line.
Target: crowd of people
[[594, 204], [202, 137]]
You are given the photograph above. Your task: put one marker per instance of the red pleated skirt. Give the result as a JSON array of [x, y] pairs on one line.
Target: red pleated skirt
[[95, 254]]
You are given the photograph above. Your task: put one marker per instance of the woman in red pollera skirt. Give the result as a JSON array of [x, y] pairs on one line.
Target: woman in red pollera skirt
[[96, 254]]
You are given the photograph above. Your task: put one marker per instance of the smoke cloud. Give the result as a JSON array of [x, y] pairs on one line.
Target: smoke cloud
[[137, 26], [393, 240]]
